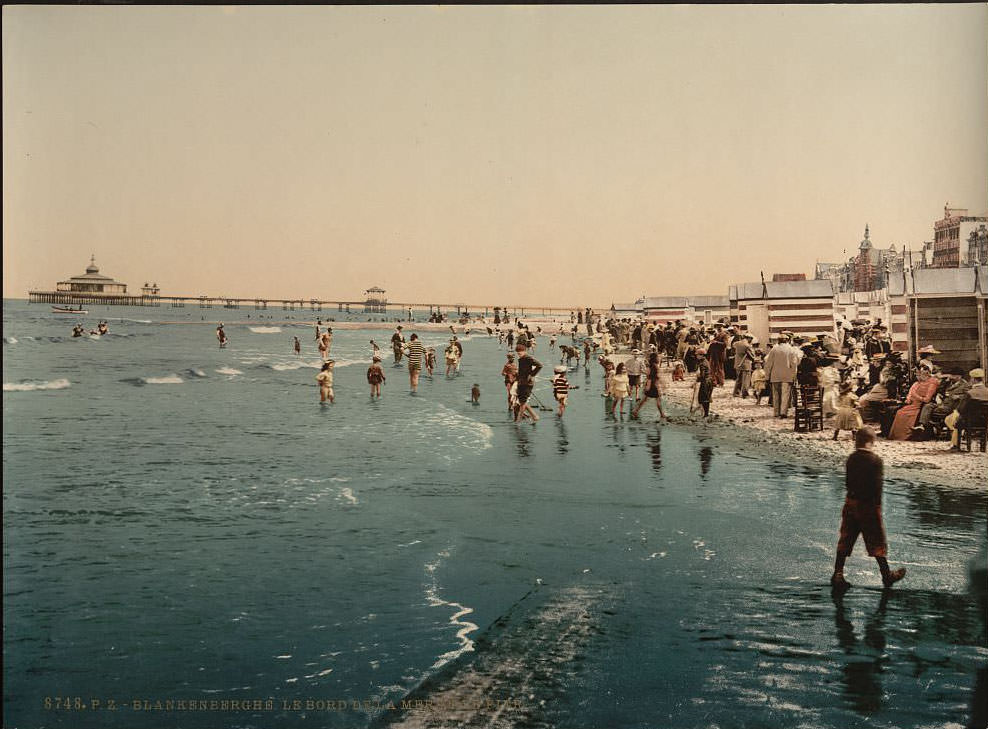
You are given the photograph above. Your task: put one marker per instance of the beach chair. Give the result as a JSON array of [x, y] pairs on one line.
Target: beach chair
[[809, 409], [974, 426]]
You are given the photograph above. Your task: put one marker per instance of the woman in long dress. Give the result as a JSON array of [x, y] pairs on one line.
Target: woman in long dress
[[922, 391]]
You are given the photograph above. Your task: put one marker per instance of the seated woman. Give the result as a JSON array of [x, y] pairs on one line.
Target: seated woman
[[922, 392]]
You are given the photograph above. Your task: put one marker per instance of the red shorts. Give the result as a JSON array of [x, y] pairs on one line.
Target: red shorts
[[859, 517]]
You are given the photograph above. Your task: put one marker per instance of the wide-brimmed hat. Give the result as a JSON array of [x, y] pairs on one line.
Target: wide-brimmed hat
[[929, 349], [978, 373]]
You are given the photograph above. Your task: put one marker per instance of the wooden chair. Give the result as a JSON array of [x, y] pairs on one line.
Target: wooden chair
[[809, 409], [974, 425]]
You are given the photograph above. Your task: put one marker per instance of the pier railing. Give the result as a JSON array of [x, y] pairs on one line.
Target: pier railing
[[396, 308]]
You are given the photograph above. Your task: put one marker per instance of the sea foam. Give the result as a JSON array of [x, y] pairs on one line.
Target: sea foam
[[166, 380], [228, 371], [59, 384], [265, 330]]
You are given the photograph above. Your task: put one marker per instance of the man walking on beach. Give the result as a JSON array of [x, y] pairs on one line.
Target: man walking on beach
[[415, 352], [744, 356], [862, 513], [780, 371]]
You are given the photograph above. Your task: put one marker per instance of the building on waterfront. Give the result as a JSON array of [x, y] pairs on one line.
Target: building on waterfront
[[92, 282], [977, 246], [949, 232], [628, 311], [92, 287], [873, 267], [766, 309], [702, 309]]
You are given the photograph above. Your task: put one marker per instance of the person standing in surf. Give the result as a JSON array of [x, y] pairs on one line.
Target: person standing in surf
[[510, 374], [297, 346], [397, 344], [528, 368], [325, 380], [375, 376], [415, 353], [862, 512], [221, 335]]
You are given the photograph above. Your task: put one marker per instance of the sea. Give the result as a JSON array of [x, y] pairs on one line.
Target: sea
[[192, 540]]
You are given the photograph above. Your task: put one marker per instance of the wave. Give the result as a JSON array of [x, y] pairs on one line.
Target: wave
[[465, 626], [193, 372], [166, 380], [137, 321], [228, 371], [265, 330], [467, 431], [10, 340], [59, 384]]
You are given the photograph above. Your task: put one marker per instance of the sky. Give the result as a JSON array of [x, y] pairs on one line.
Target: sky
[[533, 155]]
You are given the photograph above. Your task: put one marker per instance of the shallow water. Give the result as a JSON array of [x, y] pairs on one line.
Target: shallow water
[[189, 523]]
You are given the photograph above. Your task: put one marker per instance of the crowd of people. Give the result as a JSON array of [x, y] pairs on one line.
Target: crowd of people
[[850, 375]]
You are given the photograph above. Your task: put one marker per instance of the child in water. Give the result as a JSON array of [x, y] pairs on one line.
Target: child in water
[[325, 380], [560, 388], [619, 387], [475, 394], [376, 350], [375, 376], [430, 361]]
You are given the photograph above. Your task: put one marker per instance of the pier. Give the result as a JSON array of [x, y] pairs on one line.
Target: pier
[[389, 308]]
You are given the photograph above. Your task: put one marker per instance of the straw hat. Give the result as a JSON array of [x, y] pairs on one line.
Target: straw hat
[[559, 369], [977, 373], [929, 349]]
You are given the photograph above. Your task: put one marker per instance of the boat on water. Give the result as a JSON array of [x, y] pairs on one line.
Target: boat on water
[[68, 310]]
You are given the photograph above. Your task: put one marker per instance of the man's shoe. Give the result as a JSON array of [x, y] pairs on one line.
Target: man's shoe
[[837, 582], [894, 576]]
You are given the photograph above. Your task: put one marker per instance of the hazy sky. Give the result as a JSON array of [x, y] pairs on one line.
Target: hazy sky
[[531, 155]]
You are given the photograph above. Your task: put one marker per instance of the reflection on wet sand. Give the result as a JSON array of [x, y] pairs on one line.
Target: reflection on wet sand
[[863, 670], [706, 457]]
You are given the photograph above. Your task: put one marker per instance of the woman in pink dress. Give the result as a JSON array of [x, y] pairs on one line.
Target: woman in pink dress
[[922, 391]]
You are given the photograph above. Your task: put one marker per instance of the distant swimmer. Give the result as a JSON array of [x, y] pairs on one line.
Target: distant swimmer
[[490, 332], [475, 394], [221, 335], [375, 376], [297, 346], [552, 342], [102, 328], [78, 330], [325, 380]]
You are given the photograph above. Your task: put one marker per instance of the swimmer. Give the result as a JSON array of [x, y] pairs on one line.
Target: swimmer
[[297, 346], [325, 380], [375, 376]]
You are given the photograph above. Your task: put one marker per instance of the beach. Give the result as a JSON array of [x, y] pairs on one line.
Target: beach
[[185, 523]]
